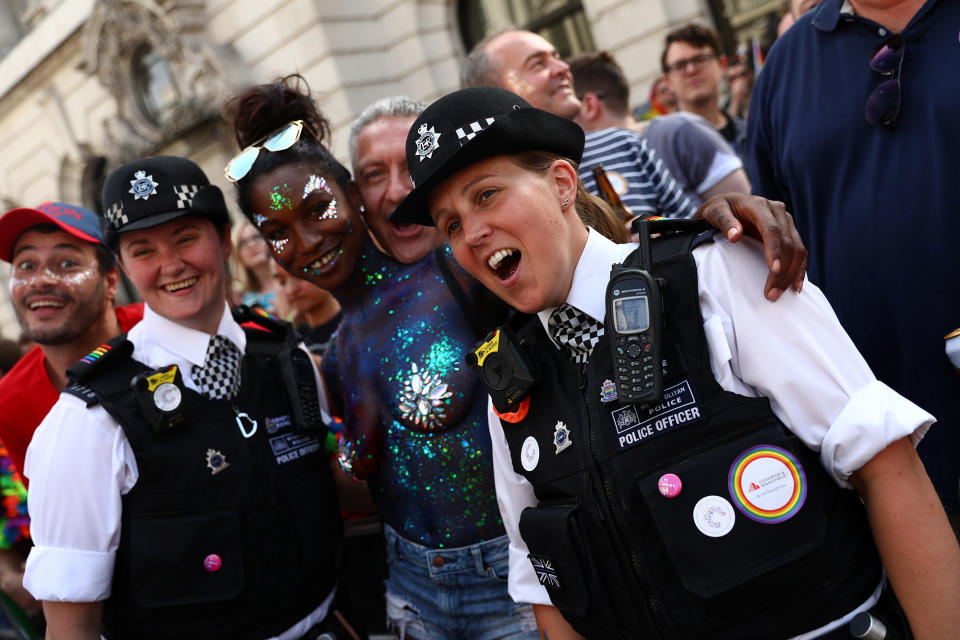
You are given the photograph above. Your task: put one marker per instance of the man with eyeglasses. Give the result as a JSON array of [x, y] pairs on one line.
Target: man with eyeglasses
[[853, 124], [693, 63]]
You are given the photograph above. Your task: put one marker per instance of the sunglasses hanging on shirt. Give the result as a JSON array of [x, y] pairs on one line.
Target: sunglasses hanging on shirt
[[883, 104]]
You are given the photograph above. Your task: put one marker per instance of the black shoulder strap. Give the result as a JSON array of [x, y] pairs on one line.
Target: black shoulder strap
[[270, 335], [674, 237], [106, 370]]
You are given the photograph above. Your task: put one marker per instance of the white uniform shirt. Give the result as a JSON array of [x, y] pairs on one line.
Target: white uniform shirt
[[80, 464], [793, 351]]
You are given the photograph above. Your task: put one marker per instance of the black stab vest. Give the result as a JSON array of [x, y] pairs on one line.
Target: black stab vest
[[622, 560], [222, 536]]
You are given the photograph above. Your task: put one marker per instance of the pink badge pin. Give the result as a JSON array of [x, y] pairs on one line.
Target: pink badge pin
[[212, 563], [669, 485]]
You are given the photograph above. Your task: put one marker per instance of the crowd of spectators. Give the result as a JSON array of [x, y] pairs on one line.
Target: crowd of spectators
[[848, 127]]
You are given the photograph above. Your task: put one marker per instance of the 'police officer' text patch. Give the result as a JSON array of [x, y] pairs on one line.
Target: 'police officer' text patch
[[636, 423]]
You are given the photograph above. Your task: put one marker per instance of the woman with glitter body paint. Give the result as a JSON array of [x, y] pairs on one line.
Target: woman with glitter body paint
[[414, 414]]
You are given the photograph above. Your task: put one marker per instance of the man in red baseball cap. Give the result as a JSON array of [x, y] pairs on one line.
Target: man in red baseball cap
[[63, 283]]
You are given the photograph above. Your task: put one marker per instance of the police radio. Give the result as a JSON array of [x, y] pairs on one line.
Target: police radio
[[300, 386], [634, 325], [506, 369]]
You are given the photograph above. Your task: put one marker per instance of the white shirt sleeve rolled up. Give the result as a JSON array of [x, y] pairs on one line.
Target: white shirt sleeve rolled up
[[75, 502]]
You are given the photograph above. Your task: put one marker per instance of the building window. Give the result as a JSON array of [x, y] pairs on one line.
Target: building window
[[153, 83], [562, 22]]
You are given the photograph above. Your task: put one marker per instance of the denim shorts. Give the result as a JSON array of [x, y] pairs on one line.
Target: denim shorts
[[453, 594]]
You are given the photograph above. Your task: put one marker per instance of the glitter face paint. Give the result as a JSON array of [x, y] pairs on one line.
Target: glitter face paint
[[316, 183], [319, 183], [55, 286], [72, 278], [278, 245], [281, 197], [312, 234]]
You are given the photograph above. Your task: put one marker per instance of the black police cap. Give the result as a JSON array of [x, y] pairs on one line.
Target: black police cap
[[150, 191], [473, 124]]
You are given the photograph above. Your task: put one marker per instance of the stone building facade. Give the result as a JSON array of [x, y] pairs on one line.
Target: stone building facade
[[88, 84]]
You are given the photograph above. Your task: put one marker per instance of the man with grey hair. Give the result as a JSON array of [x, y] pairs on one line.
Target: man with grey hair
[[377, 139]]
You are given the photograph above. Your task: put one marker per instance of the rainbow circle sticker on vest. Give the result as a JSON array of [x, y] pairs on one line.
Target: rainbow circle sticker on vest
[[714, 516], [767, 484], [530, 454]]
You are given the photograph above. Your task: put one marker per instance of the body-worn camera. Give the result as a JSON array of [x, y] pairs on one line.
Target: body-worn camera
[[160, 396], [506, 369]]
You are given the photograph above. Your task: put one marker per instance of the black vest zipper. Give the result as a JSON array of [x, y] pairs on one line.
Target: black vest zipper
[[657, 621]]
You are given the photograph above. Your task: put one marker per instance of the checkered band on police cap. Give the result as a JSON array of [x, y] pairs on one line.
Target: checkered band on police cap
[[151, 191]]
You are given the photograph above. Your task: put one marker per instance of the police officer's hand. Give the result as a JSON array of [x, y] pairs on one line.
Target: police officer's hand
[[769, 221]]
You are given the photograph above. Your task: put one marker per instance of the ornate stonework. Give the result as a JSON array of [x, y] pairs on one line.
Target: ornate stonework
[[204, 74]]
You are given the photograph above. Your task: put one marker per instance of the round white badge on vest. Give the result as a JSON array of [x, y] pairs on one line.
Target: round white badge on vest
[[767, 484], [530, 454], [167, 396], [713, 516]]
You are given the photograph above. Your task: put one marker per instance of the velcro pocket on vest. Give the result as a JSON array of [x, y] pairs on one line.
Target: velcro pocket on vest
[[744, 511], [552, 538], [188, 557]]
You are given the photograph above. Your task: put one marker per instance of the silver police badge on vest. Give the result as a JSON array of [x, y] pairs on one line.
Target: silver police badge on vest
[[428, 142], [143, 186], [216, 461], [561, 437]]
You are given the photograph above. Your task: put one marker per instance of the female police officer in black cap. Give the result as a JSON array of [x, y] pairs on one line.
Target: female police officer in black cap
[[180, 486], [689, 507]]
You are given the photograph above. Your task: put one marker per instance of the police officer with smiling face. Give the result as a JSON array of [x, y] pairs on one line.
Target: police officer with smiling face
[[180, 486], [705, 492]]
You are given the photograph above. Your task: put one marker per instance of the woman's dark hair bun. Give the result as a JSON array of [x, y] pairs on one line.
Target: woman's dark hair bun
[[266, 107]]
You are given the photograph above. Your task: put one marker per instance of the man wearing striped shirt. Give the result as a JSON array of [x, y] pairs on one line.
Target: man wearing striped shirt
[[526, 64]]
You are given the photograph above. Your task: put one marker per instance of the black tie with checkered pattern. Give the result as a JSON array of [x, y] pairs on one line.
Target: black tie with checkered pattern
[[574, 330], [219, 377]]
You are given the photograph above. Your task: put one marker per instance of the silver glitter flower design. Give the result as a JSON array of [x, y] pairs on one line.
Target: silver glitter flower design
[[422, 399]]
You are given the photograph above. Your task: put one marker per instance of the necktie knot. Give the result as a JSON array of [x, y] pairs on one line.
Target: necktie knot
[[219, 377], [574, 330]]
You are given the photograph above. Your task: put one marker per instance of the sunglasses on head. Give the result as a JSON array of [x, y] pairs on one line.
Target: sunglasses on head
[[883, 104], [278, 140]]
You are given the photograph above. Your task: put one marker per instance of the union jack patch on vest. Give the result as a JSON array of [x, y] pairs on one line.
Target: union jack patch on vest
[[545, 571]]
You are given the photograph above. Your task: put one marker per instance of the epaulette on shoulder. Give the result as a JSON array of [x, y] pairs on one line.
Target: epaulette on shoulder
[[108, 351], [256, 319]]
